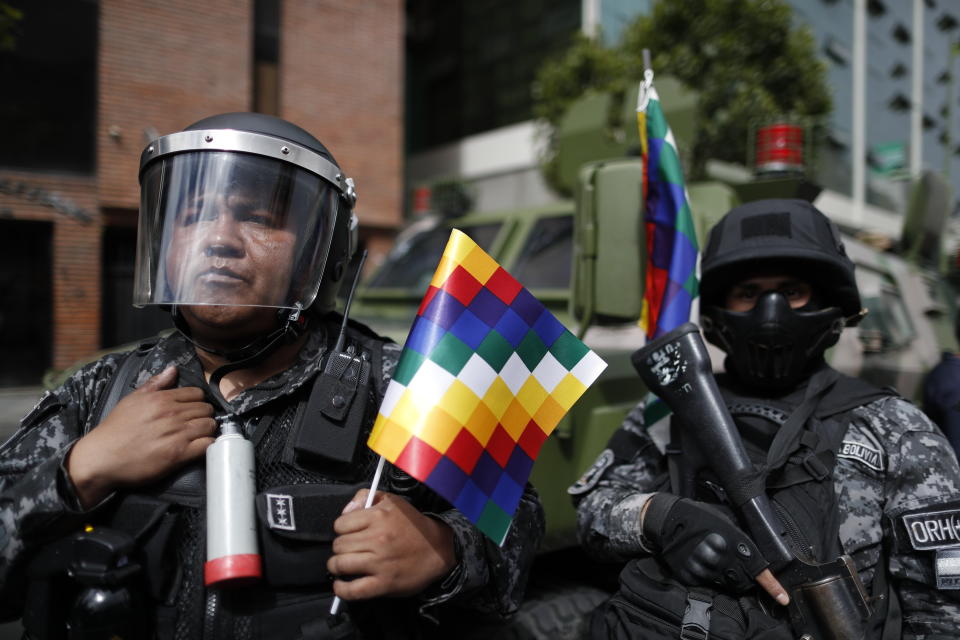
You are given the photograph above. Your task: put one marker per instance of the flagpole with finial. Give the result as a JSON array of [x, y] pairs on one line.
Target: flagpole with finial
[[643, 96]]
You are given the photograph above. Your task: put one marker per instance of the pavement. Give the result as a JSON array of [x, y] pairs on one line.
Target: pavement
[[15, 403]]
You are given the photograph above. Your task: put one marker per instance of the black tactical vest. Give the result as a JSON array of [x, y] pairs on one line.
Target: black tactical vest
[[300, 492], [798, 469]]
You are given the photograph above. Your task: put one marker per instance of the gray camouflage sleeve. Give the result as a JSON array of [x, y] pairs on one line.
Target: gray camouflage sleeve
[[37, 502], [923, 474], [610, 495], [491, 579]]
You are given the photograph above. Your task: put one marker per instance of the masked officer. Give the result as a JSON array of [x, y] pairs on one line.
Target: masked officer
[[850, 468], [246, 230]]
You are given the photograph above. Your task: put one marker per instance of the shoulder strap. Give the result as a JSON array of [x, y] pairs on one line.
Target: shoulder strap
[[787, 438], [887, 620], [849, 393], [121, 382]]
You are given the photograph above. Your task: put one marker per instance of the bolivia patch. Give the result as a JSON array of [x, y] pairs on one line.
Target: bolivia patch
[[862, 453]]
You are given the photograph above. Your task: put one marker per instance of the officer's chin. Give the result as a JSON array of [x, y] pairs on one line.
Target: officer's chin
[[228, 323]]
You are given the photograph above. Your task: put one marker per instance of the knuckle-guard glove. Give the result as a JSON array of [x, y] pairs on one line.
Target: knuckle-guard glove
[[700, 544]]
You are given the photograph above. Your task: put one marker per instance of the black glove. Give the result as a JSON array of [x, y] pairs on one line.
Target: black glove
[[700, 545]]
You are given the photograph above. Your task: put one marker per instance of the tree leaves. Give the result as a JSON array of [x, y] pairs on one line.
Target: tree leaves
[[746, 59]]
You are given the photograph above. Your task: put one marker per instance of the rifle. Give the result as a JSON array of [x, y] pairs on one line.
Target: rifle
[[827, 601]]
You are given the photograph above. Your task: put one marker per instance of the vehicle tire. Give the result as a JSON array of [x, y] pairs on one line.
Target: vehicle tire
[[554, 612], [559, 612]]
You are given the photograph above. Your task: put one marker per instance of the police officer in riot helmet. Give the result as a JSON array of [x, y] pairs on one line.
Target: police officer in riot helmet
[[246, 232], [847, 465]]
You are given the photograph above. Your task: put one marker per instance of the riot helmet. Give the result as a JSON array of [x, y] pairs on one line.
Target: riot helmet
[[773, 346], [242, 209]]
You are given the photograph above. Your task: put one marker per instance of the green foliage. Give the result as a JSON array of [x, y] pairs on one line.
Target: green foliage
[[585, 66], [743, 57], [10, 18]]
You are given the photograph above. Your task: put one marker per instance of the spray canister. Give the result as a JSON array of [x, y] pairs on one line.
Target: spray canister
[[232, 554]]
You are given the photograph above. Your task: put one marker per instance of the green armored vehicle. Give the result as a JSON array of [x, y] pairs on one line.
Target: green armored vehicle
[[584, 259]]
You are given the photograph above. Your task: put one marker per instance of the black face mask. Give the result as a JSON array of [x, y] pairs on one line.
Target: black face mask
[[772, 347]]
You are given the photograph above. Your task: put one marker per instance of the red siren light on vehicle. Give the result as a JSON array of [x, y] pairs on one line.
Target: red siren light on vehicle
[[779, 148], [421, 201]]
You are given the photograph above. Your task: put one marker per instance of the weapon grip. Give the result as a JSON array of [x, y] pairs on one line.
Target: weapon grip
[[676, 367]]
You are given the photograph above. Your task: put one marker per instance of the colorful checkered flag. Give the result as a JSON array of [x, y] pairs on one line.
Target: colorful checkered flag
[[672, 282], [486, 374]]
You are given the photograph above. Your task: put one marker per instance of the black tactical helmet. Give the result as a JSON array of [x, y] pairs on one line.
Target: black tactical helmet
[[773, 346], [779, 233]]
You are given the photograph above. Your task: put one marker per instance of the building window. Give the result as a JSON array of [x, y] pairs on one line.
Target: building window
[[266, 56], [898, 71], [899, 102], [836, 50], [48, 111], [470, 65], [876, 8], [26, 311], [947, 22], [901, 34]]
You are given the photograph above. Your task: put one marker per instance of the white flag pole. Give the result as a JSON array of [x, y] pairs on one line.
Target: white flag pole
[[335, 606]]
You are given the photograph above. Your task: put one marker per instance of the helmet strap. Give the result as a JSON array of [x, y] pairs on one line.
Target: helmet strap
[[292, 325]]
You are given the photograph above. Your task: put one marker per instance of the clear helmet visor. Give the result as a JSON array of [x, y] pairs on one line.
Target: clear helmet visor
[[228, 228]]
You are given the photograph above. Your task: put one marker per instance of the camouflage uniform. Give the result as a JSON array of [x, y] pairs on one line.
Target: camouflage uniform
[[893, 460], [38, 503]]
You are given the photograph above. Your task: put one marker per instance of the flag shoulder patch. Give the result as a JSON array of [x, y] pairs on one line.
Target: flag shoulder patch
[[592, 476]]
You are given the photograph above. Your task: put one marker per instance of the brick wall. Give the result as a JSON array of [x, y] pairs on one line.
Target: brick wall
[[341, 78], [163, 66]]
